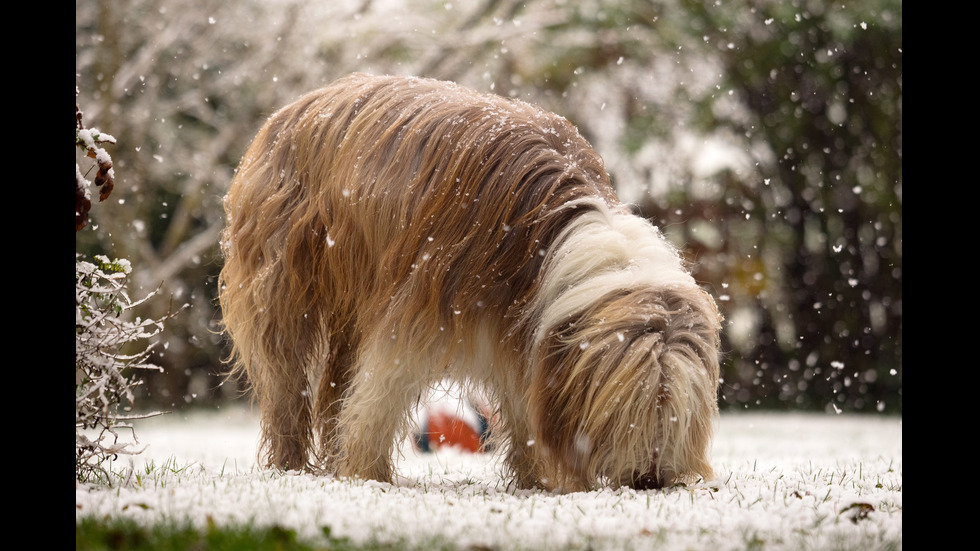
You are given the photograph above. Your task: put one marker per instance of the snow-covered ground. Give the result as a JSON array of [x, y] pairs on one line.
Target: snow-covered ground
[[785, 481]]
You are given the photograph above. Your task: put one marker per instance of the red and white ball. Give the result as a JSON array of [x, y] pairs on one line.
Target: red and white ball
[[451, 419]]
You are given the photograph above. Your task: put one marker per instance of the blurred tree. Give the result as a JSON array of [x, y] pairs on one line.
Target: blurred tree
[[820, 84], [763, 136], [184, 84], [766, 138]]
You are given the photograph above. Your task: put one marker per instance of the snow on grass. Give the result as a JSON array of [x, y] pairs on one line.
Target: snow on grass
[[785, 481]]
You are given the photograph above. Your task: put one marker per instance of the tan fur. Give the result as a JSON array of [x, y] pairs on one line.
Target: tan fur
[[385, 232]]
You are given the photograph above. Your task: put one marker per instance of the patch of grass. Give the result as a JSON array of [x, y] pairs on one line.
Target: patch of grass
[[120, 534], [126, 534]]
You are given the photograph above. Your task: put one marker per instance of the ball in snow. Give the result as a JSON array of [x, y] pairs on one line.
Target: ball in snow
[[448, 419]]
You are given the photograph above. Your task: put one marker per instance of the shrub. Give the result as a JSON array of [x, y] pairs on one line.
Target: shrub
[[103, 367]]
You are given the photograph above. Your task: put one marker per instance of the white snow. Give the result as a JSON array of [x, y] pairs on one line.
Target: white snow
[[785, 481]]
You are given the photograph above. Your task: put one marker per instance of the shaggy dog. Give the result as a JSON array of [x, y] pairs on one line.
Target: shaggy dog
[[384, 233]]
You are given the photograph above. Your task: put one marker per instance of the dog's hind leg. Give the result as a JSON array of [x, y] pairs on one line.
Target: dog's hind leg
[[290, 350], [331, 389], [286, 424], [273, 357], [383, 388], [284, 398]]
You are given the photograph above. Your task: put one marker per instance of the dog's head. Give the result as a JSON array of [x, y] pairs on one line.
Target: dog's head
[[625, 364], [626, 390]]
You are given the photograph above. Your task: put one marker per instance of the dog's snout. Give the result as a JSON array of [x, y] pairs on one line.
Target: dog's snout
[[647, 481]]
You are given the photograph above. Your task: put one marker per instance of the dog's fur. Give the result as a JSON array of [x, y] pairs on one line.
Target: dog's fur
[[385, 232]]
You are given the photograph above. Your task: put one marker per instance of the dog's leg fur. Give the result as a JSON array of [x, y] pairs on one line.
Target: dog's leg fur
[[521, 457], [287, 422], [281, 363], [333, 385], [390, 376]]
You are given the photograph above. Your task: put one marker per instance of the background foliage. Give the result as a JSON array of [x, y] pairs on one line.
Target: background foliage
[[764, 136]]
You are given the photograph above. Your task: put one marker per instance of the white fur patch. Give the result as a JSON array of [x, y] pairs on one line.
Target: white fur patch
[[602, 251]]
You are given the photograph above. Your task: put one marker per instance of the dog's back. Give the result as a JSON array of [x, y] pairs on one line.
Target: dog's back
[[415, 189]]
